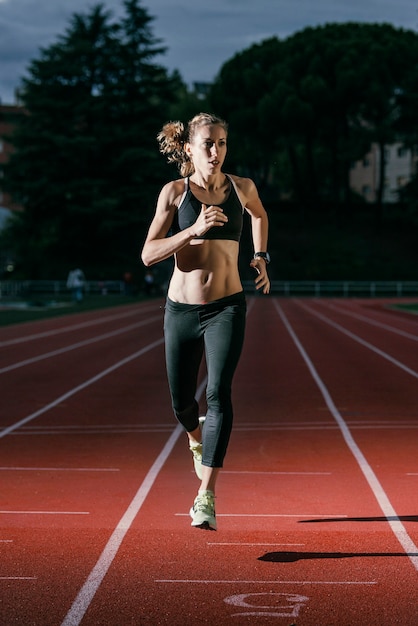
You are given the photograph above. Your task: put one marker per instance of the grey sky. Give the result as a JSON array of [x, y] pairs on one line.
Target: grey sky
[[199, 36]]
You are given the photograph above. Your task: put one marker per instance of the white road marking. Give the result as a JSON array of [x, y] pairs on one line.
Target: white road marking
[[93, 582], [278, 473], [237, 543], [18, 578], [6, 512], [264, 582], [388, 510], [298, 515], [367, 344], [72, 327], [372, 322], [74, 390], [58, 469], [75, 346]]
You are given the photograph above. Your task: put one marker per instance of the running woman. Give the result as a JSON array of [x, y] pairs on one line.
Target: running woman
[[198, 220]]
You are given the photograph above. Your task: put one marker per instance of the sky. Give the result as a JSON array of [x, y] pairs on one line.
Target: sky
[[199, 35]]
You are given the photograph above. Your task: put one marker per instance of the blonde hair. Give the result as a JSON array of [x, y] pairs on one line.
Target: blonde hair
[[174, 135]]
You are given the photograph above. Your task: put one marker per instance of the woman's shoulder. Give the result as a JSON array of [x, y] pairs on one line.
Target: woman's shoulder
[[245, 186], [173, 191]]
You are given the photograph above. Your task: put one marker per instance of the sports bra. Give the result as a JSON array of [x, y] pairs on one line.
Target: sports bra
[[190, 207]]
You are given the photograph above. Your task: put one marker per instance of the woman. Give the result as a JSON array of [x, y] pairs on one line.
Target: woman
[[205, 308]]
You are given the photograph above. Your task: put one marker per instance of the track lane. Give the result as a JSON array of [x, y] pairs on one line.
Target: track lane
[[294, 455], [303, 571]]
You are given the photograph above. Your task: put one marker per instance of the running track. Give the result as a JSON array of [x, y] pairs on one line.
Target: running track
[[317, 506]]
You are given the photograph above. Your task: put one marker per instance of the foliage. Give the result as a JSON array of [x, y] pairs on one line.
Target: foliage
[[301, 111], [86, 167], [305, 108]]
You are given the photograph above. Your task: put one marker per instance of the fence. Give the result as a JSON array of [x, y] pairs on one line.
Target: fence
[[55, 288], [340, 288], [314, 288]]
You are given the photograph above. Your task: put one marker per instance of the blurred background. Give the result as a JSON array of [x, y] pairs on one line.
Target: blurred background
[[322, 106]]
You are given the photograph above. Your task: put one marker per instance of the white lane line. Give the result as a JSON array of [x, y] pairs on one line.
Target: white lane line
[[79, 344], [278, 473], [5, 512], [102, 427], [72, 392], [94, 580], [58, 469], [265, 582], [389, 512], [18, 578], [41, 431], [299, 515], [281, 427], [372, 322], [67, 329], [359, 340], [237, 543]]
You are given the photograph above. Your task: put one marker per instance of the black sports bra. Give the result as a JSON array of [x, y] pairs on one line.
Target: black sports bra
[[190, 207]]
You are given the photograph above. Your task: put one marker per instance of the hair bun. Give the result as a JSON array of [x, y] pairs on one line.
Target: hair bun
[[171, 140]]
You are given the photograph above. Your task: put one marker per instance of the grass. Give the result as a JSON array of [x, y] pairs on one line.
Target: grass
[[43, 307], [409, 308]]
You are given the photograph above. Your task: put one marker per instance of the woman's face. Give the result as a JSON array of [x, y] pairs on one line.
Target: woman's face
[[207, 150]]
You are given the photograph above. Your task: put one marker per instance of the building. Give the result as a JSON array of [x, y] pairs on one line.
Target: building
[[9, 114], [401, 166], [8, 117]]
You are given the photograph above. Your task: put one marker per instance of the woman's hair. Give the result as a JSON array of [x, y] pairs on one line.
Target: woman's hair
[[174, 135]]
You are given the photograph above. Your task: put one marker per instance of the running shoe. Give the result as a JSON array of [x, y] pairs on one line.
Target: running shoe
[[196, 450], [203, 511]]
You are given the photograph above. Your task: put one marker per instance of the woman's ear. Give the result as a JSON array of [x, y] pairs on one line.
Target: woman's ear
[[188, 149]]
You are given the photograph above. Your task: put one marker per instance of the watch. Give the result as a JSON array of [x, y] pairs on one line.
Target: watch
[[262, 255]]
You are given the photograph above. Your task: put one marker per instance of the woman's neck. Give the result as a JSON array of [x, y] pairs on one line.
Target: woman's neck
[[210, 183]]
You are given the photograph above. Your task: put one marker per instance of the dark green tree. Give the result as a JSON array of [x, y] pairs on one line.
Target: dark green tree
[[312, 104], [86, 166]]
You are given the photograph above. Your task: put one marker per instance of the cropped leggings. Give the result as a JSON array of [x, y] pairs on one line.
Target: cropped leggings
[[215, 329]]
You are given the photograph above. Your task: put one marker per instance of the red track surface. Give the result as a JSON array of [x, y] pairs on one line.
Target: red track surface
[[317, 505]]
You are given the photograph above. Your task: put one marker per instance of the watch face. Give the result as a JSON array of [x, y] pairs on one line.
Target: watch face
[[263, 255]]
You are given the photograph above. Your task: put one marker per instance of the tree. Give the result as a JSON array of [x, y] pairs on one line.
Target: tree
[[316, 101], [86, 166], [237, 94]]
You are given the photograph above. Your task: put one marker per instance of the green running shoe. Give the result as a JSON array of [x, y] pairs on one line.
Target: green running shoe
[[203, 511], [197, 452]]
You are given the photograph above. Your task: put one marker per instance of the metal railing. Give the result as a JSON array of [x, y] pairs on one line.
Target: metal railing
[[340, 288], [55, 288], [309, 288]]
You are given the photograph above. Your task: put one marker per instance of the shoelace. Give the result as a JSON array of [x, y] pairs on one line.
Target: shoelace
[[197, 451], [204, 502]]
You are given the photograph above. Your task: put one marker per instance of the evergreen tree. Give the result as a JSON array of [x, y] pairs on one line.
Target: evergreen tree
[[86, 166], [313, 103]]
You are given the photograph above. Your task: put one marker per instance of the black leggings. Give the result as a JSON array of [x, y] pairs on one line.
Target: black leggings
[[218, 328]]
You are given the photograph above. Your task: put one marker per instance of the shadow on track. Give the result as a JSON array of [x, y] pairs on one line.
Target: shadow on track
[[400, 518], [292, 557]]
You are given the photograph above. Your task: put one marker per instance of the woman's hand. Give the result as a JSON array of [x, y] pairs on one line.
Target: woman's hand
[[209, 217], [262, 282]]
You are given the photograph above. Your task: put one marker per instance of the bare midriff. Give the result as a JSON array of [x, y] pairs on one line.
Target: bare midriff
[[204, 271]]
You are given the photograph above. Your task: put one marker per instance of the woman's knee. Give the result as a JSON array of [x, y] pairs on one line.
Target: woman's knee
[[187, 416]]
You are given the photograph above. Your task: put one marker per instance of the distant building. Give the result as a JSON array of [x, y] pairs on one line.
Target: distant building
[[401, 166], [9, 114]]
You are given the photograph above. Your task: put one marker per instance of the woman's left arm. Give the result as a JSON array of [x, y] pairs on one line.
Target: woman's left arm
[[259, 230]]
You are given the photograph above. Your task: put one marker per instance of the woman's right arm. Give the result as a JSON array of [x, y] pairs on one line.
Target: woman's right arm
[[158, 246]]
